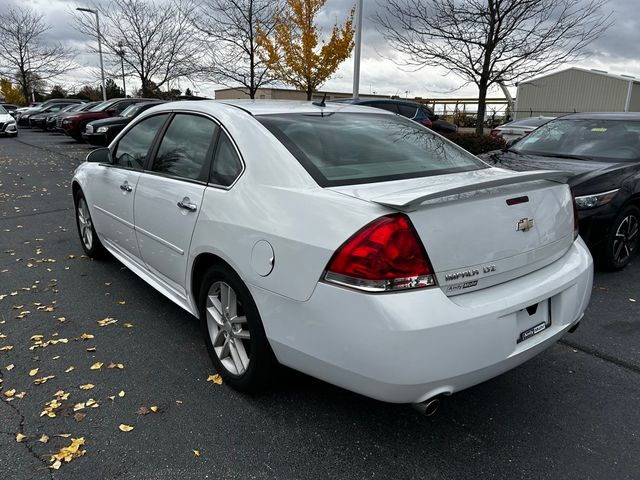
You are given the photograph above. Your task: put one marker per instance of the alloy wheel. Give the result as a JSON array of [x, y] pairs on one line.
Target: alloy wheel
[[626, 239], [85, 224], [228, 328]]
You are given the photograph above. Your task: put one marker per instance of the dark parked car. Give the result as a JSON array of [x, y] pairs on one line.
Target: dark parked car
[[101, 132], [413, 110], [23, 115], [38, 120], [52, 120], [601, 153], [73, 125]]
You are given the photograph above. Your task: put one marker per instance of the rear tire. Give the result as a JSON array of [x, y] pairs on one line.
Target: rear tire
[[623, 240], [233, 331], [88, 237]]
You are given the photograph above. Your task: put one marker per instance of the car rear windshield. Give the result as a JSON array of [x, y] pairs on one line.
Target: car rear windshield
[[353, 148], [586, 139]]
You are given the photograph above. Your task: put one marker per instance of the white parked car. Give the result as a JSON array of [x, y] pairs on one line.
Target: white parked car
[[512, 131], [7, 123], [345, 242]]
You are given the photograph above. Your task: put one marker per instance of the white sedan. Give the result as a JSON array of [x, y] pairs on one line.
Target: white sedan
[[345, 242]]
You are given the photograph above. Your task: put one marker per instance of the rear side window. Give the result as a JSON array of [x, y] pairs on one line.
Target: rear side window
[[408, 111], [133, 147], [226, 164], [352, 148], [391, 107], [184, 150]]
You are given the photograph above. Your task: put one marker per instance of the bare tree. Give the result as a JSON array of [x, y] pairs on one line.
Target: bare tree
[[160, 43], [489, 42], [24, 55], [230, 30]]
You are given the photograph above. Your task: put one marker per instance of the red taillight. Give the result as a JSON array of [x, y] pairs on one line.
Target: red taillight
[[495, 133], [384, 255], [426, 122]]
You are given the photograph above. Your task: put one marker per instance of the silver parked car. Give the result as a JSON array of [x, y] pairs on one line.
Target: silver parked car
[[512, 131]]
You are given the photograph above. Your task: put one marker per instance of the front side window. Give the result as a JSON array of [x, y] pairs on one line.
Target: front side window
[[352, 148], [391, 107], [134, 146], [586, 139], [184, 150]]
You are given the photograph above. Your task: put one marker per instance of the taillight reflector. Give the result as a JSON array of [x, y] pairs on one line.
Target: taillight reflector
[[383, 256]]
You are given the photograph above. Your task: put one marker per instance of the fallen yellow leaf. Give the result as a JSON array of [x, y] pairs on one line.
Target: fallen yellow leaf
[[9, 393], [217, 379], [10, 367], [86, 336], [107, 321], [40, 381], [87, 386], [68, 453], [43, 439], [116, 365], [96, 366], [125, 428], [121, 394], [196, 453], [153, 408], [69, 369], [6, 348], [127, 325], [20, 437], [33, 372]]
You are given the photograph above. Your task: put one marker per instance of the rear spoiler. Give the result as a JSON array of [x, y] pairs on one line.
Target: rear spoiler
[[409, 199]]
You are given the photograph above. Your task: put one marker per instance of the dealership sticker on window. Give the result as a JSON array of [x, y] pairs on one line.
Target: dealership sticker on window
[[599, 129]]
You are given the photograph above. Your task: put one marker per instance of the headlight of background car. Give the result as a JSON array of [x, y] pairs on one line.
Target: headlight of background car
[[102, 129], [596, 200]]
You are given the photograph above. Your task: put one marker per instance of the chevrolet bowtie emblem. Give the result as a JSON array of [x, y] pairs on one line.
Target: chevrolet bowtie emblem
[[524, 225]]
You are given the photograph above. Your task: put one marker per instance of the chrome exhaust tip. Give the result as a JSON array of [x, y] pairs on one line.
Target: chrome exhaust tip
[[428, 407]]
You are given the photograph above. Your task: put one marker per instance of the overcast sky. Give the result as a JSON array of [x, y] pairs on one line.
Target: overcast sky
[[617, 52]]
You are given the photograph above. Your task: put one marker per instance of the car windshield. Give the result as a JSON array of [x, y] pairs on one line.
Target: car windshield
[[130, 111], [101, 107], [2, 110], [352, 148], [587, 139]]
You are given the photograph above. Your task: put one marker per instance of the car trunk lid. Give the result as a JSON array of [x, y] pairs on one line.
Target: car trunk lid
[[483, 227]]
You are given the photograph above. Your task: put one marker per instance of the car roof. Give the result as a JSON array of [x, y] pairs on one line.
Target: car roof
[[361, 100], [266, 107], [603, 116]]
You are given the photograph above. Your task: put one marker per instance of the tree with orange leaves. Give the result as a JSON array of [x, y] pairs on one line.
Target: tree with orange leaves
[[293, 53]]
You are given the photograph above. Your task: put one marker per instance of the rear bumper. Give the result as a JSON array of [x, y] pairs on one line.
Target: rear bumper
[[407, 347]]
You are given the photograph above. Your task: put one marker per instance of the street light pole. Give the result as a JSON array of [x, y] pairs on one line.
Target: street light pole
[[356, 54], [121, 55], [95, 12]]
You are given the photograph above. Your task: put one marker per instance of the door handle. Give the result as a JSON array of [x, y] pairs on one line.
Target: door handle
[[126, 187], [187, 205]]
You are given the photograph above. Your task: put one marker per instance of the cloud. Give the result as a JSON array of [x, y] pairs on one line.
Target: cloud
[[618, 51]]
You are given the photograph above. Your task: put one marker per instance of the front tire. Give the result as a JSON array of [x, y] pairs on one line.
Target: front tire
[[88, 237], [233, 331], [624, 239]]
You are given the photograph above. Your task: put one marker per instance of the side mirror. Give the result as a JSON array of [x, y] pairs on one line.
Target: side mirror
[[100, 155]]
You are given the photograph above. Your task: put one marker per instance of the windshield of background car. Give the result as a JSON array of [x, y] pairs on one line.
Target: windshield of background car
[[2, 110], [589, 139], [101, 107], [352, 148], [130, 111]]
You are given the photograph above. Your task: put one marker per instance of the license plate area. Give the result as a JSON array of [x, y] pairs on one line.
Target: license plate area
[[533, 320]]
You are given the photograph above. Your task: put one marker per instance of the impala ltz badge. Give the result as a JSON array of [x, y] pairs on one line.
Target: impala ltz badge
[[524, 224]]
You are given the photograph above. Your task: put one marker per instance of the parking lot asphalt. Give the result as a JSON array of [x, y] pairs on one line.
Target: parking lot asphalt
[[570, 413]]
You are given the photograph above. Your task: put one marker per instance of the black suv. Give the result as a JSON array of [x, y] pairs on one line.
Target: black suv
[[413, 110]]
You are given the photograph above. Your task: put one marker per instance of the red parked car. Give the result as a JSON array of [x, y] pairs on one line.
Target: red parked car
[[73, 125]]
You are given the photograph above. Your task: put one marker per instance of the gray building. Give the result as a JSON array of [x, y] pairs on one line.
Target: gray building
[[577, 90]]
